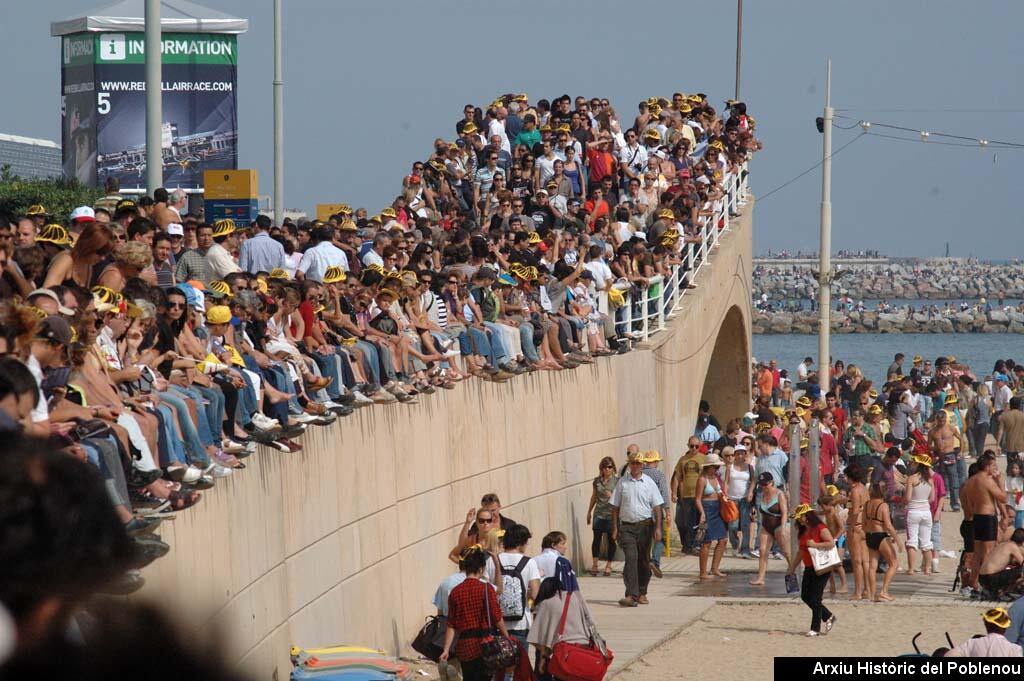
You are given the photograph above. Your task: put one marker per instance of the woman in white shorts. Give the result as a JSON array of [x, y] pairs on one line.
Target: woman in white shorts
[[919, 495]]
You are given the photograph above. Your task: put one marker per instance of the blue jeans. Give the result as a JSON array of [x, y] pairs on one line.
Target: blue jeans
[[329, 368], [686, 521], [498, 344], [936, 536], [951, 473], [175, 450], [193, 445], [741, 525], [526, 340], [658, 548], [371, 361], [214, 410]]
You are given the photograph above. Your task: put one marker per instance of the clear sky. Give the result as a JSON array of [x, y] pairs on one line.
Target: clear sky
[[369, 84]]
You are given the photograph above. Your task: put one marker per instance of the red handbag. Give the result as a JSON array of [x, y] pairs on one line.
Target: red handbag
[[576, 662]]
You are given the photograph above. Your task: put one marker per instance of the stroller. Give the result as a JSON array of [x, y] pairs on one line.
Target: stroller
[[938, 652]]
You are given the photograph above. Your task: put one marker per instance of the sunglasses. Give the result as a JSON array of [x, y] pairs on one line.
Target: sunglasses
[[608, 465], [175, 306], [453, 281], [482, 521]]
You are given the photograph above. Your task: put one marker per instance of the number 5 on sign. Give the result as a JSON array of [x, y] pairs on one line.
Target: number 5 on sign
[[103, 103]]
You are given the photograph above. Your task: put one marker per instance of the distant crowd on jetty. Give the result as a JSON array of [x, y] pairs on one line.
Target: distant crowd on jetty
[[786, 254], [779, 286]]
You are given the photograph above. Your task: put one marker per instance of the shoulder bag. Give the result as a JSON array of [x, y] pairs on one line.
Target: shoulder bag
[[574, 661], [429, 642], [499, 652], [824, 560]]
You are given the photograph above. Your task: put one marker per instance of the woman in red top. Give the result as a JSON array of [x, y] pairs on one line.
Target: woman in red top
[[468, 618], [813, 534]]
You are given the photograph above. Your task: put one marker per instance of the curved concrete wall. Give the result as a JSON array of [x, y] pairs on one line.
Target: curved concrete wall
[[346, 541]]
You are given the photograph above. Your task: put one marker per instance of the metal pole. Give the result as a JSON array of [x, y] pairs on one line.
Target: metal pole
[[793, 480], [154, 104], [814, 458], [739, 45], [825, 264], [278, 119]]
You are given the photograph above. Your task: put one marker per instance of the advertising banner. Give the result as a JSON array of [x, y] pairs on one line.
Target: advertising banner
[[104, 97], [200, 116], [78, 107]]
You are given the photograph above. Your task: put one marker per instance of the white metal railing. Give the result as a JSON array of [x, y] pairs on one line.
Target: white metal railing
[[645, 313]]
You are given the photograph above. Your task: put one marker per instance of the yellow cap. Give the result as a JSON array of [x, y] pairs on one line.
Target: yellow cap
[[55, 234], [348, 226], [36, 209], [875, 409], [469, 128], [389, 212], [218, 314], [534, 238], [651, 456], [278, 273], [667, 214], [923, 460], [261, 286], [831, 490]]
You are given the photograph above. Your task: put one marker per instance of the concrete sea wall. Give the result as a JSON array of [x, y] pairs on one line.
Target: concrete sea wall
[[345, 541], [933, 279]]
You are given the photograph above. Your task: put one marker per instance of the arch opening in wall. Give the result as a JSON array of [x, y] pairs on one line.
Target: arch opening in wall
[[727, 382]]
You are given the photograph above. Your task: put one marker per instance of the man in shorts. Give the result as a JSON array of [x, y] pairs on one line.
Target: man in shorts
[[984, 492], [1002, 570]]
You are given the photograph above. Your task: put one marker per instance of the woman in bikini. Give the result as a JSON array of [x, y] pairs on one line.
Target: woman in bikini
[[881, 541], [855, 537], [772, 505], [709, 506]]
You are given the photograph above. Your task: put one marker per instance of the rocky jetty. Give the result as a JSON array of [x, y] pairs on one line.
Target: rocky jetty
[[938, 279], [976, 320]]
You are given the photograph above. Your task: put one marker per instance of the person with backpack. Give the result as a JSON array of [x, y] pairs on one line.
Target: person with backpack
[[520, 577]]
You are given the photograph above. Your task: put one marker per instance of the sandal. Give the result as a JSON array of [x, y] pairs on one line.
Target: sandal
[[182, 500], [607, 572]]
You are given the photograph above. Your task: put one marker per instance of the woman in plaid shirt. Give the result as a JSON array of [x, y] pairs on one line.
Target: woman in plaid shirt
[[468, 619]]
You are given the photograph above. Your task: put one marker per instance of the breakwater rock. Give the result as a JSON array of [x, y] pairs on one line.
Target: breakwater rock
[[900, 321], [937, 279]]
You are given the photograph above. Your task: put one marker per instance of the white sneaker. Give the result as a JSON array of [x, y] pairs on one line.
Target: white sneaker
[[935, 565], [229, 446], [192, 473], [947, 554], [264, 422], [302, 418], [218, 471], [383, 397], [361, 399]]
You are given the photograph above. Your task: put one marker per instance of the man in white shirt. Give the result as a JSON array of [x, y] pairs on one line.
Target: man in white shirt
[[993, 643], [219, 262], [375, 256], [636, 523], [633, 157], [496, 126], [596, 265], [316, 260], [804, 374]]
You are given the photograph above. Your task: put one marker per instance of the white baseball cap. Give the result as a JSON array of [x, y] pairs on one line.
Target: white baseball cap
[[52, 296], [174, 229], [83, 214]]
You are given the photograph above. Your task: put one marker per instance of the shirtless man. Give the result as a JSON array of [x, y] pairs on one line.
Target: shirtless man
[[944, 441], [984, 492], [1001, 571], [855, 536]]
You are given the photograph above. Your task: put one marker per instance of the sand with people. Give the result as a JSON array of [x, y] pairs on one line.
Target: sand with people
[[750, 635]]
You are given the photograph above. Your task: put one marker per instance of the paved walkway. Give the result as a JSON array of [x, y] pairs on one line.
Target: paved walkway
[[679, 599], [632, 632]]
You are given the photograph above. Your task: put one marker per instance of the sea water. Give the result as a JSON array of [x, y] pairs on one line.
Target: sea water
[[874, 352]]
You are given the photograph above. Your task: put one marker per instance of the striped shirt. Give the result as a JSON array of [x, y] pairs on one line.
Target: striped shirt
[[164, 275], [192, 265]]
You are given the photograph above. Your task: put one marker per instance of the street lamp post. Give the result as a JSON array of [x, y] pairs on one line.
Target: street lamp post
[[825, 250], [278, 119], [154, 104]]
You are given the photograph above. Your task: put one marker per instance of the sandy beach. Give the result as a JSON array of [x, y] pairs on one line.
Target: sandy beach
[[739, 640]]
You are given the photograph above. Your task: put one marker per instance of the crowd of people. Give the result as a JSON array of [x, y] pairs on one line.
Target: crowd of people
[[160, 348]]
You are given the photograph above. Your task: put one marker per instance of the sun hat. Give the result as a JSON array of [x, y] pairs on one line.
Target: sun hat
[[801, 510], [712, 459], [220, 289], [278, 273], [997, 616], [334, 274], [223, 227], [652, 456], [923, 460]]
